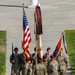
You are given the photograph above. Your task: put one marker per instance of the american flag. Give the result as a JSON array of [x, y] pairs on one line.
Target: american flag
[[26, 36]]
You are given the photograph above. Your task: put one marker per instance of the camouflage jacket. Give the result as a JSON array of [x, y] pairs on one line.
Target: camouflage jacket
[[40, 69]]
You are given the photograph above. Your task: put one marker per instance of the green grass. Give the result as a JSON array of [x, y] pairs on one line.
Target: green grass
[[2, 52], [70, 40], [2, 63]]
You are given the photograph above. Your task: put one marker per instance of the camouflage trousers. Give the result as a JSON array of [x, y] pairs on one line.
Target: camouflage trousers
[[15, 72], [25, 71], [62, 73], [22, 70], [62, 70]]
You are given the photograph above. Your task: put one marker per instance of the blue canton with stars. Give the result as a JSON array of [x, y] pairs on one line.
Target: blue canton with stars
[[25, 22]]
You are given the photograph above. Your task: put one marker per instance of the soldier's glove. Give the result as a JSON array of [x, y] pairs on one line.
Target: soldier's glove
[[61, 70], [13, 61]]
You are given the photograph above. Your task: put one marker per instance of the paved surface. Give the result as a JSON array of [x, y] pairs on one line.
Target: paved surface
[[58, 15]]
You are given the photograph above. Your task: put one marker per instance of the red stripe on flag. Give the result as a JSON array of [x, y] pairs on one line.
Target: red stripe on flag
[[59, 43]]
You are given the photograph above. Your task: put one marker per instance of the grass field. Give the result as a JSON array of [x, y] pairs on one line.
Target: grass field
[[2, 52], [70, 40]]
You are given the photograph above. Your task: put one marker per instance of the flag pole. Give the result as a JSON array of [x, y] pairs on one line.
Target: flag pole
[[37, 46], [23, 8], [22, 27], [12, 49]]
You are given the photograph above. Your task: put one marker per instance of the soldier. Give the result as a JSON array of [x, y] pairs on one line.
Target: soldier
[[45, 60], [48, 58], [63, 62], [22, 62], [34, 58], [53, 66], [48, 52], [40, 68], [14, 59], [28, 67]]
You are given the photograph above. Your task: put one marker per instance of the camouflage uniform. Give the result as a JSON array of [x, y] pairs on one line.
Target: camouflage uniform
[[14, 59], [39, 69], [22, 62], [28, 68], [63, 63], [33, 58], [53, 67], [48, 60]]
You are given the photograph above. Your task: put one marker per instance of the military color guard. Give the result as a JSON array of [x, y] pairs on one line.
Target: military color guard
[[47, 65]]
